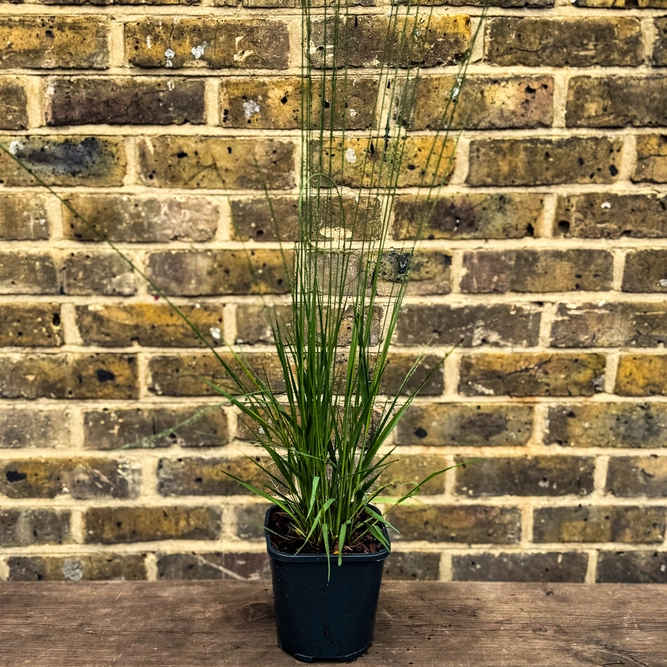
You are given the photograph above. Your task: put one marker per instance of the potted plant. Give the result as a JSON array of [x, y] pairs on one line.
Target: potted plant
[[325, 421]]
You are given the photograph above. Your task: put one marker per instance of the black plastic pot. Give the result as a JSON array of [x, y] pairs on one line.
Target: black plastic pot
[[320, 617]]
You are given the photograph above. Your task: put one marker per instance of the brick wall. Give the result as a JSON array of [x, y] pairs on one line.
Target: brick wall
[[546, 259]]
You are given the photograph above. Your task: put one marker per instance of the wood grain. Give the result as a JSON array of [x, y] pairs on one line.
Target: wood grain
[[214, 623]]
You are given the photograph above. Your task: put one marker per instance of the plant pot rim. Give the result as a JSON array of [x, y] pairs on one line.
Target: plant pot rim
[[320, 558]]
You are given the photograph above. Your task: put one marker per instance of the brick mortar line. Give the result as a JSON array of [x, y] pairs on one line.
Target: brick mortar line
[[600, 477], [116, 47], [212, 102], [150, 564], [76, 523], [545, 225], [132, 167], [591, 566], [611, 371], [561, 86], [444, 567]]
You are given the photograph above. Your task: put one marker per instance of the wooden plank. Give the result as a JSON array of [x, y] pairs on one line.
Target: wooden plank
[[207, 623]]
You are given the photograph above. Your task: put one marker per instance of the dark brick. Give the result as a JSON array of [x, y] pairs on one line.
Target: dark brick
[[141, 219], [367, 40], [429, 370], [621, 4], [641, 375], [510, 4], [651, 163], [474, 524], [13, 104], [72, 376], [454, 424], [112, 525], [149, 324], [543, 567], [660, 44], [207, 477], [468, 326], [427, 272], [28, 427], [599, 524], [475, 216], [216, 162], [636, 476], [207, 42], [125, 101], [250, 521], [563, 42], [484, 103], [80, 478], [618, 425], [532, 374], [214, 566], [97, 273], [544, 161], [89, 567], [254, 323], [36, 325], [200, 426], [526, 476], [645, 271], [408, 471], [217, 272], [52, 42], [602, 215], [27, 273], [412, 565], [502, 271], [616, 101], [23, 527], [62, 160], [120, 2], [23, 217], [632, 567]]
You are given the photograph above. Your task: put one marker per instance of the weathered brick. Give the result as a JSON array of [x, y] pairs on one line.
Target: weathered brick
[[81, 478], [27, 427], [35, 325], [608, 425], [23, 218], [188, 375], [534, 4], [149, 324], [257, 219], [363, 162], [207, 42], [97, 273], [651, 163], [73, 376], [632, 567], [50, 42], [216, 162], [543, 567], [127, 100], [427, 272], [371, 40], [430, 370], [89, 567], [250, 521], [452, 424], [214, 566], [641, 375], [616, 101], [407, 471], [610, 325], [112, 525], [120, 2], [660, 44], [216, 272], [499, 271], [254, 323], [621, 4], [207, 477], [23, 527], [141, 219], [480, 524], [474, 216], [468, 326], [562, 42], [13, 104], [407, 566], [544, 161], [27, 273], [273, 103], [599, 524], [532, 374], [63, 160], [645, 271], [485, 103], [633, 476], [526, 476], [596, 215], [200, 426]]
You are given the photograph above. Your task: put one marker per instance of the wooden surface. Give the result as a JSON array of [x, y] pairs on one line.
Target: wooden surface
[[213, 623]]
